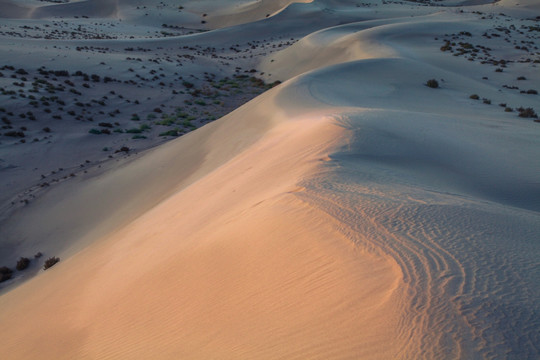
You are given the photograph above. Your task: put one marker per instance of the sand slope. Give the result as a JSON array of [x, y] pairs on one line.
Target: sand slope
[[258, 269], [350, 213]]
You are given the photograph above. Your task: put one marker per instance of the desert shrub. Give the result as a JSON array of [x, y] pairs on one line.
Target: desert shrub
[[432, 83], [123, 149], [138, 130], [50, 262], [486, 101], [527, 112], [22, 263], [187, 84], [95, 131], [5, 273], [474, 97], [38, 255], [135, 117], [169, 133], [532, 92], [61, 73], [15, 134], [166, 122], [137, 137], [508, 109]]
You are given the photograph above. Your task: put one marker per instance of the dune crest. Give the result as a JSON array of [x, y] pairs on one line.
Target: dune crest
[[383, 202], [251, 272]]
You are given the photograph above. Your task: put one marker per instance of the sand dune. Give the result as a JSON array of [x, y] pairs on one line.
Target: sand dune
[[248, 11], [255, 246], [91, 8], [352, 212], [11, 10]]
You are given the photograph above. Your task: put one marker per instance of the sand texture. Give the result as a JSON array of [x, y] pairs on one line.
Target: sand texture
[[346, 211]]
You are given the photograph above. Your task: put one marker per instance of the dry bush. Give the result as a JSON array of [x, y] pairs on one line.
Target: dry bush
[[50, 262], [432, 83], [527, 112], [5, 273], [23, 263]]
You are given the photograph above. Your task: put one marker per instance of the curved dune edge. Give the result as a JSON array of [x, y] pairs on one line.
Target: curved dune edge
[[170, 285], [219, 15], [334, 217], [252, 11]]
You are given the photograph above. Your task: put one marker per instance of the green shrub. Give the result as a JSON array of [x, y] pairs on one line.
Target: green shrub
[[138, 130], [168, 121], [169, 133]]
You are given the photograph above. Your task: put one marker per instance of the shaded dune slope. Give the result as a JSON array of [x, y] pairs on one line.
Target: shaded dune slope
[[436, 193]]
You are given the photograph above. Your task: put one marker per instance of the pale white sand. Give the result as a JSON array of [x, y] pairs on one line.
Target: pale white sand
[[350, 213]]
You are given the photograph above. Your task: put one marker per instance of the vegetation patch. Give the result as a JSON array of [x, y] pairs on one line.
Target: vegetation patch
[[50, 262], [5, 273], [432, 83], [22, 263]]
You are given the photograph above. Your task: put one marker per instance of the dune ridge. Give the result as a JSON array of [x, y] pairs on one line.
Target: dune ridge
[[350, 212], [257, 249]]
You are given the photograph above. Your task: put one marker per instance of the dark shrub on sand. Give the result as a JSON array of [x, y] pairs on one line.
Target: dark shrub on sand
[[50, 262], [432, 84], [5, 273], [22, 263]]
